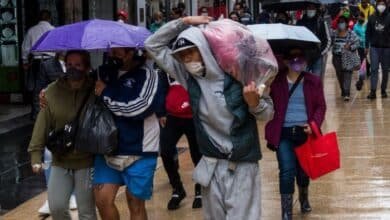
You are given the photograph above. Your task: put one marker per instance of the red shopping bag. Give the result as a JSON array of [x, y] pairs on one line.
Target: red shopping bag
[[320, 154]]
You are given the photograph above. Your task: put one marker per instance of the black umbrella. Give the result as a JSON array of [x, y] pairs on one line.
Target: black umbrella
[[287, 5]]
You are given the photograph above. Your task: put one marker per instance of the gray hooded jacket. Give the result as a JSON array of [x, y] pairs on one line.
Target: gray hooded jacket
[[213, 112]]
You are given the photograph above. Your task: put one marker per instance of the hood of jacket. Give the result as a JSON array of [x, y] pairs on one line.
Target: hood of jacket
[[195, 35]]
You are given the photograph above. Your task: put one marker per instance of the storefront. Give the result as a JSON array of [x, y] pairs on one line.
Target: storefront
[[17, 16]]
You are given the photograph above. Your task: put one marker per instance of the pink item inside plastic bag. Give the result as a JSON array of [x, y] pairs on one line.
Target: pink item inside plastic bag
[[239, 53]]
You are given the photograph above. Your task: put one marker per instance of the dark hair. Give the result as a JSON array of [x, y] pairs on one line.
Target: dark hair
[[238, 3], [177, 11], [234, 13], [85, 57], [44, 15], [343, 18], [181, 5], [140, 58]]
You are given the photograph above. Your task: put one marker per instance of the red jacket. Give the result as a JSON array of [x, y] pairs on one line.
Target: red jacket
[[314, 99]]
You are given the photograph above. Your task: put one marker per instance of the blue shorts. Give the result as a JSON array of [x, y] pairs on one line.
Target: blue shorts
[[138, 177]]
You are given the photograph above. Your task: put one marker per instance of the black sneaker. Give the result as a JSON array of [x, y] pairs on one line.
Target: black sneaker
[[197, 203], [384, 94], [372, 95], [359, 85], [177, 196]]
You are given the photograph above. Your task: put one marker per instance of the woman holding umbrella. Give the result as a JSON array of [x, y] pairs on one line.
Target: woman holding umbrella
[[298, 98], [71, 171]]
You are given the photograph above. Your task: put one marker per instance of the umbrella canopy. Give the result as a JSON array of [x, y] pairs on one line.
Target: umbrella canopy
[[281, 36], [92, 35], [287, 5]]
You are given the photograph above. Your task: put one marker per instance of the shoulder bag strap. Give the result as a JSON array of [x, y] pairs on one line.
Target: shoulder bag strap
[[295, 85]]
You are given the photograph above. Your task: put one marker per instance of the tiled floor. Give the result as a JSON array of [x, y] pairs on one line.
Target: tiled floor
[[359, 190]]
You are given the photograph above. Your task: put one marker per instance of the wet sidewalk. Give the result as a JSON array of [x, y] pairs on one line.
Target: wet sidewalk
[[17, 183], [359, 190]]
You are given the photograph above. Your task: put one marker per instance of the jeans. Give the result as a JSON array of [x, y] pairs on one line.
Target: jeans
[[169, 136], [289, 168], [47, 158], [379, 55]]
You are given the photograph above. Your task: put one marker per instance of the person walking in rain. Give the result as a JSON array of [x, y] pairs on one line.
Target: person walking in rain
[[224, 115], [32, 61], [343, 39], [134, 95], [378, 41], [316, 24], [298, 98], [72, 171]]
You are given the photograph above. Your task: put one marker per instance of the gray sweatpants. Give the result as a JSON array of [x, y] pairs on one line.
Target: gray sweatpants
[[233, 195], [62, 183]]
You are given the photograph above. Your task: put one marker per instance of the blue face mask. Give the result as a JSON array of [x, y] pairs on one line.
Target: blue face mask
[[342, 26]]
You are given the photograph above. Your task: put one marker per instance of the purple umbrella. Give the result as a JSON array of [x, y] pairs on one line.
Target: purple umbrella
[[92, 35]]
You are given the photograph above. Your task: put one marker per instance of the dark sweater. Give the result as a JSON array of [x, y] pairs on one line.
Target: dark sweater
[[378, 31]]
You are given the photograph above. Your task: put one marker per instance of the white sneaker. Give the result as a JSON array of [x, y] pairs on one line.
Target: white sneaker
[[44, 210], [72, 203]]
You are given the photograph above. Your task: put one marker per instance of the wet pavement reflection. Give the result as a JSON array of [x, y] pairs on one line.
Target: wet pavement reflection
[[359, 190], [17, 183]]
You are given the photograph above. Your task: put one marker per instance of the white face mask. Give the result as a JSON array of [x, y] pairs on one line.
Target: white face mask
[[311, 13], [381, 8], [195, 68]]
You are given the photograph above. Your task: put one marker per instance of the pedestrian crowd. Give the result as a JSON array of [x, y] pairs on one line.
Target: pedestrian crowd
[[174, 86]]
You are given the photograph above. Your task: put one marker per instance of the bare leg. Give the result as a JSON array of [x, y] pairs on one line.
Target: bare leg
[[105, 201], [136, 207]]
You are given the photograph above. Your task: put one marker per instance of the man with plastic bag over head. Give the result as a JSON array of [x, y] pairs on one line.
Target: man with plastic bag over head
[[224, 115]]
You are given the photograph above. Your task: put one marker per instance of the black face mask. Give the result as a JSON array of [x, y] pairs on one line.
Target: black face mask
[[361, 21], [74, 74], [115, 62]]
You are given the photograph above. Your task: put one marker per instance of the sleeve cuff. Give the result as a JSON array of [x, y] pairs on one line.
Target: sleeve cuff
[[36, 157]]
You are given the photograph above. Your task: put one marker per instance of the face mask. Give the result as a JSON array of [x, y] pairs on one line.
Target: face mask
[[361, 21], [297, 64], [74, 74], [381, 8], [115, 62], [342, 26], [158, 21], [204, 14], [311, 13], [195, 68], [347, 14]]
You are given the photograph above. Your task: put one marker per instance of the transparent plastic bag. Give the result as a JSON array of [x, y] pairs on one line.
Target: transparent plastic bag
[[240, 53]]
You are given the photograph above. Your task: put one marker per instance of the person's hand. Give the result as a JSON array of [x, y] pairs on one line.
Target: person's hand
[[163, 121], [196, 20], [251, 95], [42, 99], [37, 168], [99, 87], [366, 51], [347, 46], [307, 129]]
